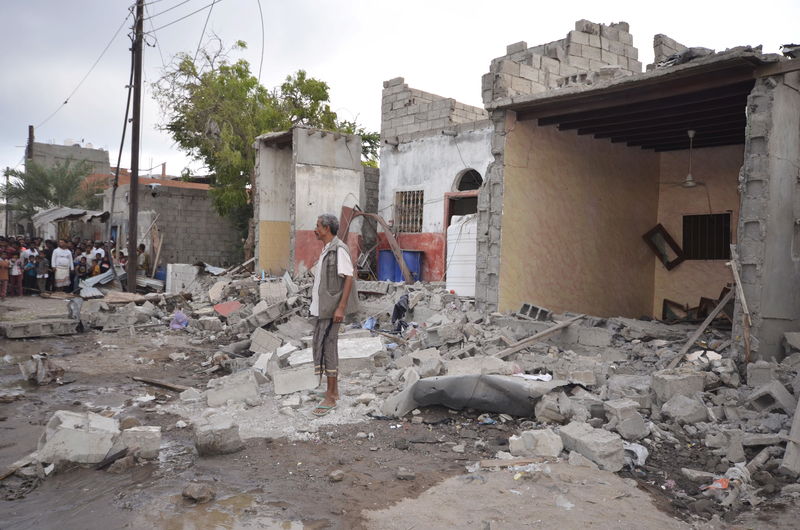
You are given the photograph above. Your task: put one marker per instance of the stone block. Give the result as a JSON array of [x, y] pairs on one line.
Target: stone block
[[82, 438], [594, 337], [670, 383], [625, 419], [479, 365], [517, 47], [760, 373], [210, 323], [635, 387], [241, 387], [602, 447], [728, 443], [217, 436], [790, 465], [542, 442], [273, 292], [577, 459], [428, 362], [263, 341], [290, 380], [146, 439], [547, 410], [684, 410], [772, 396], [444, 334], [47, 327], [374, 287], [355, 354], [215, 293], [578, 37]]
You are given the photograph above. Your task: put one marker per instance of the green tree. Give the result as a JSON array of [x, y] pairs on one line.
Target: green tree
[[214, 108], [39, 188]]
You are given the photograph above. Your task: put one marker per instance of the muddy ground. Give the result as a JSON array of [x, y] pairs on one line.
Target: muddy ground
[[284, 483]]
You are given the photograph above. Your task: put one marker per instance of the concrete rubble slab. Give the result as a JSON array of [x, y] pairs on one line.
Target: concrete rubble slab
[[82, 438], [47, 327], [210, 323], [542, 442], [428, 362], [480, 365], [146, 439], [263, 341], [190, 395], [215, 293], [241, 387], [634, 387], [625, 419], [289, 380], [598, 445], [217, 436], [354, 354], [226, 309], [679, 381], [760, 373], [273, 292], [790, 465], [727, 442], [264, 314], [374, 287], [772, 396], [685, 410]]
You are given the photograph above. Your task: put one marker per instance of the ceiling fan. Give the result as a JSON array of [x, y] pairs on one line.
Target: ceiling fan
[[689, 181]]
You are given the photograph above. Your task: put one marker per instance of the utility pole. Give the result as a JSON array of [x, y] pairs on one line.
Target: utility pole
[[133, 192]]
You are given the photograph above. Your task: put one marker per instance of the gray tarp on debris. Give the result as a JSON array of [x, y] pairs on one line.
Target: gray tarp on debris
[[491, 393]]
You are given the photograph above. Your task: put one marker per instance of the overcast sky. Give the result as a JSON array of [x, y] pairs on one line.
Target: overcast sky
[[438, 46]]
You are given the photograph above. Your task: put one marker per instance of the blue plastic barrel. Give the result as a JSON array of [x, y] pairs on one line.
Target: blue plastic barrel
[[413, 259], [387, 266], [161, 274]]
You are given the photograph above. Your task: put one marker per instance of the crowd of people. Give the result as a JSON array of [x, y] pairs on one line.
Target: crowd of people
[[32, 266]]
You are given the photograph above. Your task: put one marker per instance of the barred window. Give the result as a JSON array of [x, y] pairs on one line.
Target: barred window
[[707, 236], [408, 211]]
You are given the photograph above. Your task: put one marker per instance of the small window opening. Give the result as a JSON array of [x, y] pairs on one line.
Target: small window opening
[[408, 211]]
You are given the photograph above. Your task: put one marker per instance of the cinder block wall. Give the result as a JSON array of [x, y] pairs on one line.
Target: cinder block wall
[[586, 50], [406, 111]]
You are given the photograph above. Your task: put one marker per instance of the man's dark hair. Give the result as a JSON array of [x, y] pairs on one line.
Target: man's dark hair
[[330, 220]]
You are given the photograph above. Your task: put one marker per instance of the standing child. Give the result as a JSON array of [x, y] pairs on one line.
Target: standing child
[[82, 269], [16, 275], [4, 266], [29, 281]]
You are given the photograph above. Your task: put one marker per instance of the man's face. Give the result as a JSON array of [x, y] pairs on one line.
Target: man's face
[[321, 231], [62, 243]]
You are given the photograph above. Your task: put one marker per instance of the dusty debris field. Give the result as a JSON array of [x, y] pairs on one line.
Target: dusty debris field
[[358, 467]]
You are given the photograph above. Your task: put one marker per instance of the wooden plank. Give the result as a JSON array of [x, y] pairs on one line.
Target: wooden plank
[[19, 464], [161, 384], [240, 266], [158, 255], [699, 331], [524, 343], [510, 462]]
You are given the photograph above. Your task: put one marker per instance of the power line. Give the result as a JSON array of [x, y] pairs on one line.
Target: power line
[[261, 62], [168, 9], [203, 34], [155, 37], [183, 17], [89, 72]]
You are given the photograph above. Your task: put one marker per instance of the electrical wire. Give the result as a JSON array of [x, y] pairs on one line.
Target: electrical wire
[[169, 8], [130, 12], [183, 17], [261, 62], [155, 38], [203, 34]]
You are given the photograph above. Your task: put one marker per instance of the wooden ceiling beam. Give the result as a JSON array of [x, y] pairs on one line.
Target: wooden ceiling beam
[[679, 130]]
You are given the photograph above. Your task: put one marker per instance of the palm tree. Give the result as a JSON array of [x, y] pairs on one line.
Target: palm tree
[[40, 188]]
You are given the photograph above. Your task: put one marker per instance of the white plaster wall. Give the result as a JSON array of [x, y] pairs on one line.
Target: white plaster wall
[[431, 164], [322, 148], [322, 189], [273, 183]]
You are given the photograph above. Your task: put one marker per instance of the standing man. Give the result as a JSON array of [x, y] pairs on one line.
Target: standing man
[[62, 264], [142, 260], [332, 298]]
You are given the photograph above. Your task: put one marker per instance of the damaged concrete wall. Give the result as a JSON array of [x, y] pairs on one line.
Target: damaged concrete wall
[[417, 156], [301, 174], [769, 226], [573, 215], [717, 169]]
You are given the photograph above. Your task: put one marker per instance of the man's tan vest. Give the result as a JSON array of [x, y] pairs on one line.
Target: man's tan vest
[[331, 285]]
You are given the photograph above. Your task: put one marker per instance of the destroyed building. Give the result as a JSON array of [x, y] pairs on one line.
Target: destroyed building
[[434, 155], [300, 174]]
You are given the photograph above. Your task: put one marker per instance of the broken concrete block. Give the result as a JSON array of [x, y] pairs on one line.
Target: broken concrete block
[[354, 354], [82, 438], [699, 477], [215, 293], [577, 459], [263, 341], [399, 404], [39, 328], [750, 439], [598, 445], [480, 365], [210, 323], [635, 387], [273, 292], [543, 442], [760, 373], [594, 337], [217, 436], [547, 410], [670, 383], [728, 442], [625, 419], [373, 287], [241, 387], [288, 380], [685, 410], [191, 394], [41, 370], [264, 314], [444, 334], [772, 396], [146, 439], [790, 465], [428, 362], [410, 376]]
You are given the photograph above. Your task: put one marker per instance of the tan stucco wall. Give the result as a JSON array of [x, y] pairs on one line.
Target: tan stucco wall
[[718, 169], [574, 212]]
